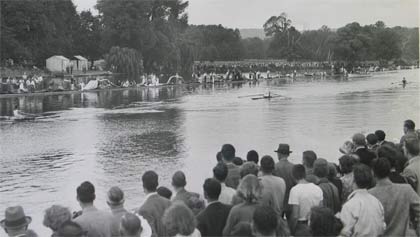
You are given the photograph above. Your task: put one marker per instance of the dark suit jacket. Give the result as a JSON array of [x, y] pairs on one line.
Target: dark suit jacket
[[190, 199], [152, 210], [330, 194], [366, 156], [212, 220]]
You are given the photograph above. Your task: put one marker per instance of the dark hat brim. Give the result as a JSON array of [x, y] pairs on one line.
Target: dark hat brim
[[28, 221], [279, 151]]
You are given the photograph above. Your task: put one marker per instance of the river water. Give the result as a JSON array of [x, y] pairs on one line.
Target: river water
[[112, 137]]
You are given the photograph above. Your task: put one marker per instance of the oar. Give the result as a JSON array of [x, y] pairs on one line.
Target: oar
[[249, 95]]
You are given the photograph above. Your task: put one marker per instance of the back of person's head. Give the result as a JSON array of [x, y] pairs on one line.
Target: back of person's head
[[409, 124], [267, 164], [150, 180], [238, 161], [323, 222], [372, 139], [346, 163], [219, 157], [252, 156], [308, 158], [86, 192], [115, 196], [164, 192], [179, 180], [321, 168], [55, 216], [248, 168], [212, 189], [228, 152], [220, 171], [130, 225], [380, 135], [332, 170], [249, 189], [389, 152], [298, 172], [362, 176], [178, 219], [264, 221], [359, 139], [381, 167], [412, 146], [70, 229]]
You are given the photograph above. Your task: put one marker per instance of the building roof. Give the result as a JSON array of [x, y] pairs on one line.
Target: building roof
[[78, 57], [59, 57]]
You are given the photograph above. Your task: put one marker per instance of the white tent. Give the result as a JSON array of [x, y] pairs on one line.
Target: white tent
[[57, 63], [79, 63]]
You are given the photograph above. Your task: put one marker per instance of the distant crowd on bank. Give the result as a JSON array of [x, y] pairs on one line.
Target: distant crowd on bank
[[374, 190]]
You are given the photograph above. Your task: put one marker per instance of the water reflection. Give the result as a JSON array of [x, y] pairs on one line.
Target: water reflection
[[111, 137]]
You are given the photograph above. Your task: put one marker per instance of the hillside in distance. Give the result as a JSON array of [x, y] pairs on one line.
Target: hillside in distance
[[252, 32]]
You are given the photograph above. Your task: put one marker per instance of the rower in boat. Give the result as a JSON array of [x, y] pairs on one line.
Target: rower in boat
[[404, 82], [19, 115]]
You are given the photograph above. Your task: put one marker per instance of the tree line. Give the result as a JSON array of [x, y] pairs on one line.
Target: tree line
[[155, 37]]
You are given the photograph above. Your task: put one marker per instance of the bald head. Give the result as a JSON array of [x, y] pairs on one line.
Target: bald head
[[130, 225]]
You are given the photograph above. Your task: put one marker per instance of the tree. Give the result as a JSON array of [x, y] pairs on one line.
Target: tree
[[88, 37], [277, 24], [255, 48], [125, 60]]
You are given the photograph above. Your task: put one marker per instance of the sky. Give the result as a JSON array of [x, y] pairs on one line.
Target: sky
[[305, 14]]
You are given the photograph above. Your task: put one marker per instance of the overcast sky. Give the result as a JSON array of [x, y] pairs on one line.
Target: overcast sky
[[305, 14]]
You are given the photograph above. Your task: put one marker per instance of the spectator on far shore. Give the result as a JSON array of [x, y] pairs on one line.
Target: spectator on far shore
[[55, 216]]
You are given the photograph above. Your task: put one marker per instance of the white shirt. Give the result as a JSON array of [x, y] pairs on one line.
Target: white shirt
[[196, 233], [305, 196], [226, 194], [362, 215]]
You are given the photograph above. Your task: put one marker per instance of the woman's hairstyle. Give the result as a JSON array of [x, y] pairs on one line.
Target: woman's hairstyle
[[179, 219], [55, 216], [249, 189], [323, 222], [248, 167]]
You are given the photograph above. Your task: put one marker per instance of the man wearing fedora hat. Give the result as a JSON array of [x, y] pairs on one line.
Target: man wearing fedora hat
[[283, 169], [16, 222]]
